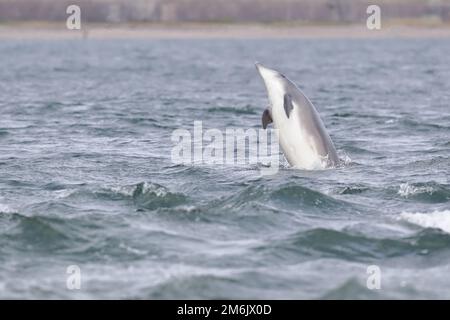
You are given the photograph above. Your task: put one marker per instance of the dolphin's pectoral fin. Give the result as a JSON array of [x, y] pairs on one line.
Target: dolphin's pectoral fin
[[266, 118], [288, 106]]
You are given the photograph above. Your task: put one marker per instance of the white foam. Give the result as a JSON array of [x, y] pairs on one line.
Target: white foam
[[344, 158], [5, 209], [147, 187], [407, 190], [437, 219], [123, 190], [61, 194]]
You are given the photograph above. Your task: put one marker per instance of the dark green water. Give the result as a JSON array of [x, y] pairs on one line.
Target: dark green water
[[86, 176]]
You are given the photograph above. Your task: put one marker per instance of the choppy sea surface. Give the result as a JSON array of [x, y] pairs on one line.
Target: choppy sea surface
[[86, 176]]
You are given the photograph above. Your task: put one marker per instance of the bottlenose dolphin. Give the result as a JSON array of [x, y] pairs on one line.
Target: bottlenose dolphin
[[301, 133]]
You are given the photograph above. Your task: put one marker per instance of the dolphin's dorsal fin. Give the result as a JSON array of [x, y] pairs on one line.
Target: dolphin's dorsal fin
[[266, 118], [287, 103]]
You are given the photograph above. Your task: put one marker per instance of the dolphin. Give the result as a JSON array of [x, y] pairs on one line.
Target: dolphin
[[301, 133]]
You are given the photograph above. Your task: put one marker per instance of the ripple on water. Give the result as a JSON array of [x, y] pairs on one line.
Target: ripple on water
[[236, 110]]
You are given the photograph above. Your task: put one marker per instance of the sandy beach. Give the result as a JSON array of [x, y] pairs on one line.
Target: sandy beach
[[44, 30]]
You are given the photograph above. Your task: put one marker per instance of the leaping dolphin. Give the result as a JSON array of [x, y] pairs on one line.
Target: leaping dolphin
[[302, 134]]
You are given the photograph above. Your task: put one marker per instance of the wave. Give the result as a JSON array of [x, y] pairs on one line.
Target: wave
[[435, 163], [436, 219], [36, 233], [351, 289], [344, 159], [145, 195], [407, 190], [153, 196], [343, 114], [6, 209], [422, 126], [352, 189], [343, 244], [302, 197], [427, 192], [286, 197], [351, 245], [358, 150]]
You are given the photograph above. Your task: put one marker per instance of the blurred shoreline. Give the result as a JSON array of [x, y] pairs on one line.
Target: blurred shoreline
[[205, 30]]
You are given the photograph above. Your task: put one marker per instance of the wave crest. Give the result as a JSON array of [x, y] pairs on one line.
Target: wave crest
[[153, 196], [428, 192], [436, 219]]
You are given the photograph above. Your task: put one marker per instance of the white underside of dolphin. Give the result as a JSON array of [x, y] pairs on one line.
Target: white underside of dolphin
[[301, 133]]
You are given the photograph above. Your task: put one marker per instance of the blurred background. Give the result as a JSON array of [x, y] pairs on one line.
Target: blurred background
[[231, 11]]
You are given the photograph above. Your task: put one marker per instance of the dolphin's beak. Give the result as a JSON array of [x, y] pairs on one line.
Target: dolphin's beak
[[269, 76], [260, 68], [265, 72]]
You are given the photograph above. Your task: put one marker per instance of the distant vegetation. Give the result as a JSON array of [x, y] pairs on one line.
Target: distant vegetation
[[314, 11]]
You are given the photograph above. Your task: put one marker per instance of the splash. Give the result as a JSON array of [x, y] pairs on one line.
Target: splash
[[436, 219], [407, 190], [6, 209]]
